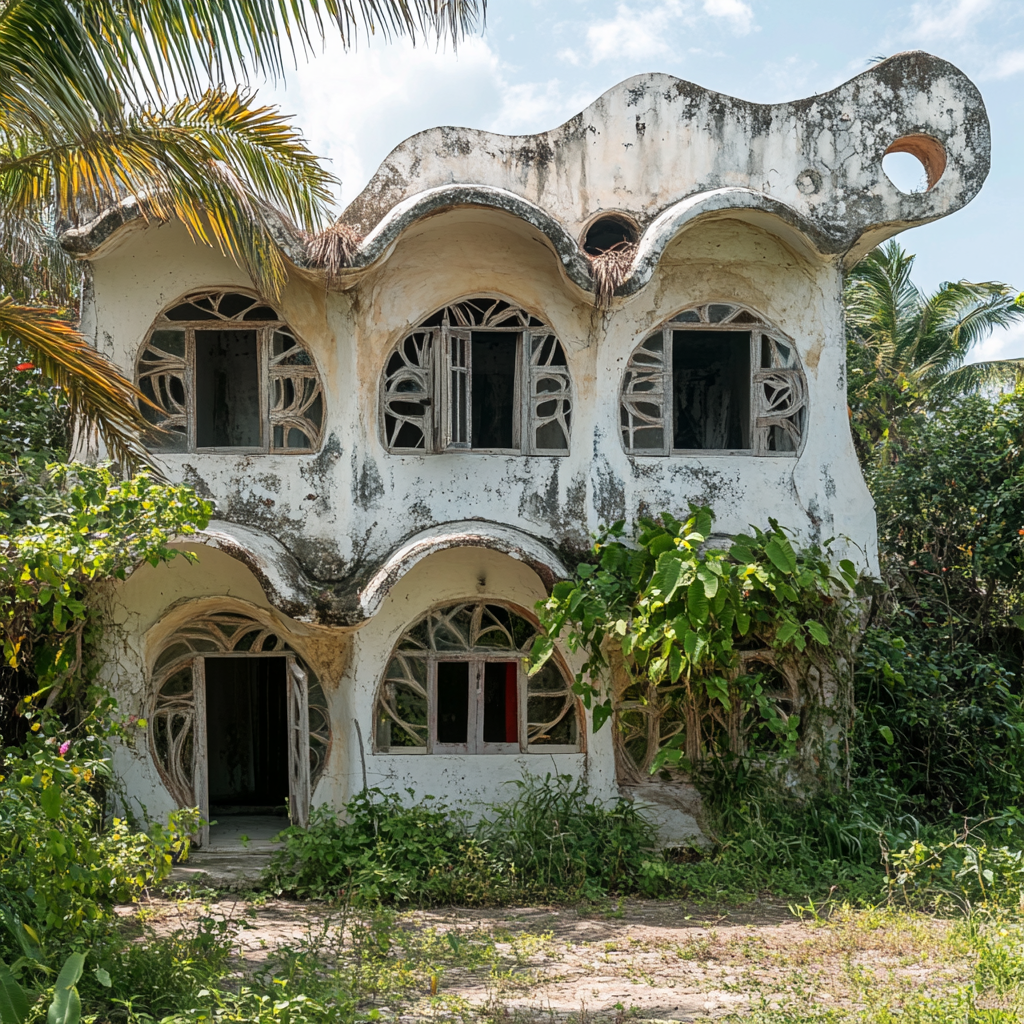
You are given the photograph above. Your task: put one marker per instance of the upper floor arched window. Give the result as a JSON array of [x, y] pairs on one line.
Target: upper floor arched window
[[715, 378], [226, 372], [479, 375]]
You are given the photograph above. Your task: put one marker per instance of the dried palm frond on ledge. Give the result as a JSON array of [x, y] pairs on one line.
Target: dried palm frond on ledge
[[610, 269], [334, 248]]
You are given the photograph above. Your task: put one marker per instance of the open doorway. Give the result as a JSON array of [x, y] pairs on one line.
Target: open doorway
[[247, 747]]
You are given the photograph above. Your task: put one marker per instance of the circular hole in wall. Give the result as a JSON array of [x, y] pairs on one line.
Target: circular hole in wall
[[914, 163], [608, 231]]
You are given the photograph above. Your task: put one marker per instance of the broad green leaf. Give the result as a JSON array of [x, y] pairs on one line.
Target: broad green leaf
[[66, 1007], [786, 632], [675, 664], [668, 575], [697, 602], [540, 651], [103, 977], [781, 555], [817, 630], [1018, 621], [741, 553], [584, 569], [49, 800], [703, 522], [887, 734], [742, 622], [602, 712], [690, 643], [710, 581], [13, 1001]]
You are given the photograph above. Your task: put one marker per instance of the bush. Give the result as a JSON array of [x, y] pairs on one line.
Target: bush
[[944, 721], [550, 840]]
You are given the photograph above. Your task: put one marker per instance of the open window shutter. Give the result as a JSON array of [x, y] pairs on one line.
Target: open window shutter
[[200, 760], [549, 402], [299, 794], [645, 410], [456, 382]]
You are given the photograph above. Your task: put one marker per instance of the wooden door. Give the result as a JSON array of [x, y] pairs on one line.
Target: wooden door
[[299, 790]]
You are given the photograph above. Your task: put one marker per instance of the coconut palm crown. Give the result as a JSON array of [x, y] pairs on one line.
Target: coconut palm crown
[[111, 101], [907, 351]]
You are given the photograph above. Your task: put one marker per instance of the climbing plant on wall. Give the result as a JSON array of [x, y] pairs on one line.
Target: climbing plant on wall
[[713, 649]]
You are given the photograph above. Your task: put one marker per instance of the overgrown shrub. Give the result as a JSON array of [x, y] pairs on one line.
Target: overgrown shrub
[[549, 840], [942, 720]]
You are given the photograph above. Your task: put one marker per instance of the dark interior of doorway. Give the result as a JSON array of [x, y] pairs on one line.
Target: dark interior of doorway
[[247, 737]]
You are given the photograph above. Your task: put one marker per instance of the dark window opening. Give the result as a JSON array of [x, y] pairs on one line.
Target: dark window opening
[[711, 390], [227, 386], [607, 232], [501, 702], [494, 365], [247, 735], [452, 701]]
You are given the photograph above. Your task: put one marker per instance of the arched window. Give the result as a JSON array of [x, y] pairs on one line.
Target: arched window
[[226, 372], [455, 684], [238, 719], [716, 378], [479, 375]]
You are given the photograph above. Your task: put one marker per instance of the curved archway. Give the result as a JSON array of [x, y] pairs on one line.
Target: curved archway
[[224, 371], [272, 673]]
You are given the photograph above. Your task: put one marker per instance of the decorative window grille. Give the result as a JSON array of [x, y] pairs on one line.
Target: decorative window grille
[[647, 717], [226, 372], [456, 684], [478, 375], [177, 730], [748, 396]]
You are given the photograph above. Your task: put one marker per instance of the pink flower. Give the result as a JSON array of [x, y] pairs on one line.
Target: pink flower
[[65, 747]]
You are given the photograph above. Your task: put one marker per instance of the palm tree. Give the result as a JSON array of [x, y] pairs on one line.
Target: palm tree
[[907, 351], [118, 101]]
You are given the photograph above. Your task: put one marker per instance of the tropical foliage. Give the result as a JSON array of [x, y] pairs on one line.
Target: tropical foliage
[[907, 351], [678, 607], [90, 120]]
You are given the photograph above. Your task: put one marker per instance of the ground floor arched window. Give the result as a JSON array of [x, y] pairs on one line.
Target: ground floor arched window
[[456, 684]]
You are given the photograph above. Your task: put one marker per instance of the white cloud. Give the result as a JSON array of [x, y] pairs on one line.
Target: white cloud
[[1005, 343], [949, 21], [1006, 65], [632, 34], [355, 108], [739, 13], [536, 107]]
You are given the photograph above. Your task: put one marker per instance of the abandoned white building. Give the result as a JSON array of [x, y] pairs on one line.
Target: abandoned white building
[[407, 452]]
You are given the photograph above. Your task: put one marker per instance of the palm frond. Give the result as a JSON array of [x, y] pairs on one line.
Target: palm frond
[[214, 164], [169, 42], [96, 392], [974, 377]]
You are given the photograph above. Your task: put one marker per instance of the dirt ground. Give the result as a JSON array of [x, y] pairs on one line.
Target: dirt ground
[[629, 960]]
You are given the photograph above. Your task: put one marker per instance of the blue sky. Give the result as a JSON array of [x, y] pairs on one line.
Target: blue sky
[[538, 62]]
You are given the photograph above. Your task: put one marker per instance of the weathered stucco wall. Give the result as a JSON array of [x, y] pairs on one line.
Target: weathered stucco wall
[[342, 549]]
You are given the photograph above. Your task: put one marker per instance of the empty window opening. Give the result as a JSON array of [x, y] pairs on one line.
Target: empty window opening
[[227, 390], [699, 384], [495, 362], [914, 163], [711, 390], [607, 232], [245, 382], [246, 735], [452, 702], [479, 375], [501, 702]]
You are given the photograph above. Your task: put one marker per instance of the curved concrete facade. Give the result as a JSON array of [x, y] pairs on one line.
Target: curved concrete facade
[[346, 545]]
